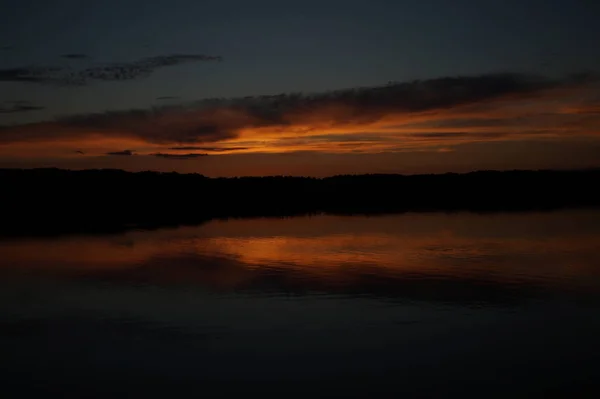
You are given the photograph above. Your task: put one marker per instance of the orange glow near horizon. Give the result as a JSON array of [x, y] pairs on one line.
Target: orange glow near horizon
[[558, 114]]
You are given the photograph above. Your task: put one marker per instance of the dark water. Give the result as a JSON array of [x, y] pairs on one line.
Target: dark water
[[426, 305]]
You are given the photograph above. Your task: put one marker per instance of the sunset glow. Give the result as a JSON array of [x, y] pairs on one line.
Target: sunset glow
[[565, 113]]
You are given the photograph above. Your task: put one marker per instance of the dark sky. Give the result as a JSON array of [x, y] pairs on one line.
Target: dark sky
[[69, 58]]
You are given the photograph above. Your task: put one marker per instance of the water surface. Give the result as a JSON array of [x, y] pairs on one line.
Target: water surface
[[421, 304]]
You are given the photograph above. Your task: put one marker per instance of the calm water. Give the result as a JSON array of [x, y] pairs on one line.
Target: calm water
[[429, 305]]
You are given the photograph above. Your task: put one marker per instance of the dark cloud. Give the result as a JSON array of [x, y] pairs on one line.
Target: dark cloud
[[31, 74], [355, 137], [109, 72], [209, 149], [467, 123], [586, 109], [436, 135], [175, 59], [79, 152], [115, 72], [452, 135], [122, 153], [76, 56], [136, 69], [19, 106], [162, 126], [214, 120], [167, 98], [178, 156]]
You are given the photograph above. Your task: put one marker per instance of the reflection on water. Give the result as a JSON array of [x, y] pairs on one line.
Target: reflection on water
[[414, 303]]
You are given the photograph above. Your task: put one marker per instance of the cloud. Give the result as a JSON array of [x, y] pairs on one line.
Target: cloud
[[452, 135], [178, 156], [132, 70], [108, 72], [175, 59], [585, 109], [167, 98], [18, 107], [209, 149], [122, 153], [392, 117], [30, 74], [76, 56], [352, 137]]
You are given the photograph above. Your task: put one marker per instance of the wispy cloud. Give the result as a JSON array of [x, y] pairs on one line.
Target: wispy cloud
[[132, 70], [29, 74], [431, 113], [13, 107], [75, 56], [178, 156], [67, 76], [208, 149], [121, 153]]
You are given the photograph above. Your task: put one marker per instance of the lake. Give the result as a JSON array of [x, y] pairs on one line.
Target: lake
[[415, 304]]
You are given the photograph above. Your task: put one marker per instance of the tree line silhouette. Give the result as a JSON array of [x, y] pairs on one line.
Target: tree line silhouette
[[49, 201]]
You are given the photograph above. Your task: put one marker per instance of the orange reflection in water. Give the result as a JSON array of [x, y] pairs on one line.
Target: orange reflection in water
[[558, 248]]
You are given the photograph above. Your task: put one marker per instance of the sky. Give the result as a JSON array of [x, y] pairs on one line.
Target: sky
[[314, 88]]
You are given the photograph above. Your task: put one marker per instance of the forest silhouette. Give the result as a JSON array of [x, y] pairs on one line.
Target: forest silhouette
[[55, 201]]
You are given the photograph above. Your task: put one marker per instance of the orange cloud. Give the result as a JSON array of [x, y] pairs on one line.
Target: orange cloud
[[415, 116]]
